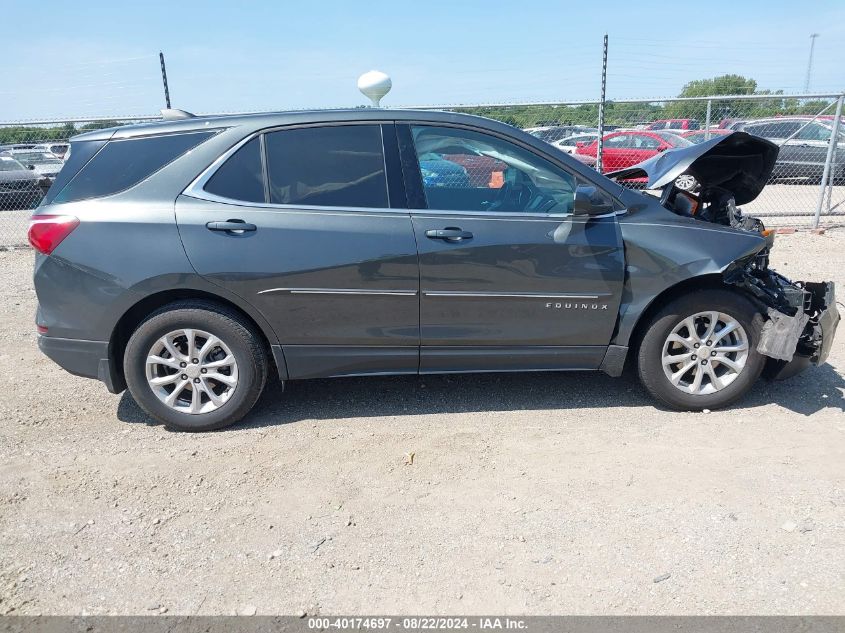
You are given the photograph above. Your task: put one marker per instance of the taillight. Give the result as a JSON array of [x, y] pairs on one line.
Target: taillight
[[46, 232]]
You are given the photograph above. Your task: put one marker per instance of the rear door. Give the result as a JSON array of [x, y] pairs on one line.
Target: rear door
[[323, 253], [509, 279]]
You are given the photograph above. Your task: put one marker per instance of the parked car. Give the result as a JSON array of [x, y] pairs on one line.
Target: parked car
[[552, 133], [190, 260], [570, 143], [674, 124], [699, 136], [6, 147], [20, 188], [57, 148], [45, 164], [624, 148], [803, 146]]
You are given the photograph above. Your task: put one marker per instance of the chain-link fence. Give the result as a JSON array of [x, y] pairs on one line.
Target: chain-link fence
[[809, 175], [808, 179], [31, 155]]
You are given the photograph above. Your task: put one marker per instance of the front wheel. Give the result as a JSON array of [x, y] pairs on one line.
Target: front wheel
[[195, 366], [700, 351]]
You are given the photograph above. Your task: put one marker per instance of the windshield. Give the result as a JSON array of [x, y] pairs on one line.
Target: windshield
[[584, 138], [37, 158], [7, 163], [674, 139], [546, 135]]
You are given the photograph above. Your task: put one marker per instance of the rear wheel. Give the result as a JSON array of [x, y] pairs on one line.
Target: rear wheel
[[700, 351], [195, 366]]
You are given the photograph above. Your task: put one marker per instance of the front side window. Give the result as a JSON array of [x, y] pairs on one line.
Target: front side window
[[463, 170], [764, 130], [645, 142], [337, 166], [783, 130], [124, 163], [814, 132], [620, 140]]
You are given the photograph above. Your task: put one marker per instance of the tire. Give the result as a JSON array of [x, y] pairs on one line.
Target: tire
[[729, 385], [227, 388]]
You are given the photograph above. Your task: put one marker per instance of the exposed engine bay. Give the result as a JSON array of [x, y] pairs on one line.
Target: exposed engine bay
[[799, 317], [798, 314]]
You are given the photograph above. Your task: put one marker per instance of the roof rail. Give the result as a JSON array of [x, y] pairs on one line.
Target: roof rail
[[172, 114]]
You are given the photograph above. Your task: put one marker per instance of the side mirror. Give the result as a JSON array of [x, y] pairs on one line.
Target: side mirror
[[31, 167], [588, 201], [662, 149]]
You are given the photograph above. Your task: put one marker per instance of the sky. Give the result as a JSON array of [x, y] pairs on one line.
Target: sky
[[100, 57]]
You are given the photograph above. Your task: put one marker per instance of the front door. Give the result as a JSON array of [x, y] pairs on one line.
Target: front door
[[509, 279], [324, 255]]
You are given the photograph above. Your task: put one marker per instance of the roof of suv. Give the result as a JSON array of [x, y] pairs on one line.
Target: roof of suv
[[263, 120]]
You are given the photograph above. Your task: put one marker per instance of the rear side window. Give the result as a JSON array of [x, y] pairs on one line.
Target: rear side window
[[122, 164], [80, 153], [241, 176], [337, 166]]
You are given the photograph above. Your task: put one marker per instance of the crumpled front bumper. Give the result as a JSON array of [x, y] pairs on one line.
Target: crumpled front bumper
[[816, 338], [801, 317]]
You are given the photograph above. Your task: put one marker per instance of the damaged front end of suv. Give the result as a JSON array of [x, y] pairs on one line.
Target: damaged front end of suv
[[800, 317]]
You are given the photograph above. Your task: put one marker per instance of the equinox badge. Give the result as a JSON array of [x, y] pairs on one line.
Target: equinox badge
[[576, 306]]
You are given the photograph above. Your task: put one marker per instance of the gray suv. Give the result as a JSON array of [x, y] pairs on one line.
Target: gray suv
[[193, 259]]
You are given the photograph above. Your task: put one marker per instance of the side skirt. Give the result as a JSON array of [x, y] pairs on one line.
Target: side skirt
[[458, 359]]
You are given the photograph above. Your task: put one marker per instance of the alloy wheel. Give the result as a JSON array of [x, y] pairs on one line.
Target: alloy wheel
[[705, 353], [191, 371], [685, 182]]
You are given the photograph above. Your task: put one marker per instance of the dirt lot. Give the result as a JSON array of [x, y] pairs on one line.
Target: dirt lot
[[528, 494]]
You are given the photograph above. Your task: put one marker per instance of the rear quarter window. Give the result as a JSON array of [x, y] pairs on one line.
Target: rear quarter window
[[121, 164], [241, 177]]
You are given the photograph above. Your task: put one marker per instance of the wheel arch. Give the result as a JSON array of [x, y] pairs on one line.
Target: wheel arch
[[687, 286], [136, 313]]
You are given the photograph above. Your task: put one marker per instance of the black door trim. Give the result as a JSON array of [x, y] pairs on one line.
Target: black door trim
[[480, 358]]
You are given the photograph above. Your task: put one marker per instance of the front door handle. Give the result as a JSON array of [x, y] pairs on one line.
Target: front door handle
[[450, 234], [235, 226]]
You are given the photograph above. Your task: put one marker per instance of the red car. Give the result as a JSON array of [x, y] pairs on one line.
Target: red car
[[629, 147]]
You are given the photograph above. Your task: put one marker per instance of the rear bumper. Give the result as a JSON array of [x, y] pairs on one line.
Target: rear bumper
[[89, 359]]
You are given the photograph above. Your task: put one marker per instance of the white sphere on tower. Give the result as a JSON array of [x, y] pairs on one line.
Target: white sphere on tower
[[374, 85]]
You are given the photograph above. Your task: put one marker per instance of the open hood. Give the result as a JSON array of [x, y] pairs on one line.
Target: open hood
[[738, 162]]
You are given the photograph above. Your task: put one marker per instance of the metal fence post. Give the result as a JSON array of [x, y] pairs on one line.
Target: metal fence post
[[600, 148], [707, 120], [826, 173]]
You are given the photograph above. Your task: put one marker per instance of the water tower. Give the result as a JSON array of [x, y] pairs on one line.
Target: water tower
[[374, 85]]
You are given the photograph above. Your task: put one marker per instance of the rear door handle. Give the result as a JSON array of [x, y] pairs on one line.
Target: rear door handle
[[450, 234], [231, 226]]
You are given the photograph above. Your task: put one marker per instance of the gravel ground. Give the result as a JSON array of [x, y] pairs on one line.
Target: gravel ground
[[527, 494]]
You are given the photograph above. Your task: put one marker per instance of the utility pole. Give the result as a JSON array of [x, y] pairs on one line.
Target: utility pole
[[601, 106], [164, 79], [813, 37]]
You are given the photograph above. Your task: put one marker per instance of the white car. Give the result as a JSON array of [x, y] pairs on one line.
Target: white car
[[570, 143], [45, 164]]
